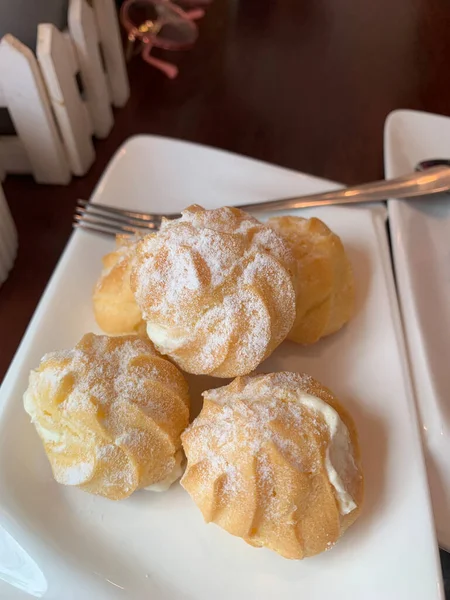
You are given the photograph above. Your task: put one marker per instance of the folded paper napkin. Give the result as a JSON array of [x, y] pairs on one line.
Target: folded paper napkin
[[8, 239]]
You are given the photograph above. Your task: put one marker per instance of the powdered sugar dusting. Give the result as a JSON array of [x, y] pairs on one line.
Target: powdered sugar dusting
[[102, 373], [77, 473], [100, 398], [249, 418], [202, 281]]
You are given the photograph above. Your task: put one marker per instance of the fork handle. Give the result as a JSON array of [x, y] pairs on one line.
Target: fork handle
[[431, 181]]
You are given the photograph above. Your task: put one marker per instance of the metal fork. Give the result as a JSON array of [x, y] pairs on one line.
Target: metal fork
[[430, 177]]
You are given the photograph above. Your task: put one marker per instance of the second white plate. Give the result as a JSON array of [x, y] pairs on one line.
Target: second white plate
[[421, 246]]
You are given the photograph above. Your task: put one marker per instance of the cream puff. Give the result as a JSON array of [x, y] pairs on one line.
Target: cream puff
[[110, 413], [325, 290], [115, 308], [216, 289], [274, 459]]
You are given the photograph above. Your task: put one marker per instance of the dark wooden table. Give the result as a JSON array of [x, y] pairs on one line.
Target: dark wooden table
[[304, 84]]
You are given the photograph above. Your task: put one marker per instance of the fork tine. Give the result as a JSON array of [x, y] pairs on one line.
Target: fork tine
[[129, 213], [101, 208], [113, 218], [113, 228], [85, 227]]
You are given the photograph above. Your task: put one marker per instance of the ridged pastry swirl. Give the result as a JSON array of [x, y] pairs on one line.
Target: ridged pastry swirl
[[115, 308], [274, 459], [216, 288], [110, 413], [325, 291]]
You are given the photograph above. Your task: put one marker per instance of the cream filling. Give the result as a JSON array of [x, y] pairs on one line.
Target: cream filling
[[338, 456], [47, 435], [165, 338], [176, 473]]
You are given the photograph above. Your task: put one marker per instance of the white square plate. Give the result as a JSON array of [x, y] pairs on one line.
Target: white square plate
[[156, 546], [421, 247]]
